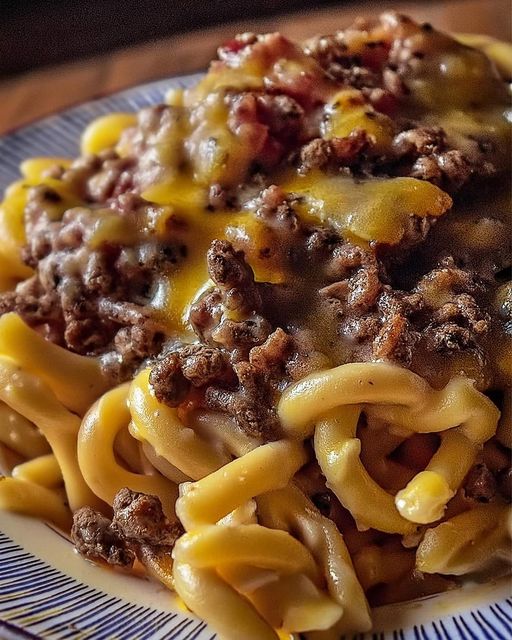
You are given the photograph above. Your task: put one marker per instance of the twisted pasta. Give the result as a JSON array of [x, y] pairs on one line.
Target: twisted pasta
[[423, 409], [34, 400], [160, 426], [290, 510], [219, 604], [292, 602], [210, 545], [230, 548], [338, 450], [268, 467], [466, 542], [96, 458]]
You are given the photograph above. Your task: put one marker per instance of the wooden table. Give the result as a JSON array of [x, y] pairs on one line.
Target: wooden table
[[33, 95]]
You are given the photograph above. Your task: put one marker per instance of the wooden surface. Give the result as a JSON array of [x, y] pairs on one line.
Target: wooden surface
[[33, 95]]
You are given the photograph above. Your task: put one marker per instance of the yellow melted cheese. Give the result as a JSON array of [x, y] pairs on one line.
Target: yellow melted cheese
[[12, 221], [348, 111], [376, 210], [196, 227]]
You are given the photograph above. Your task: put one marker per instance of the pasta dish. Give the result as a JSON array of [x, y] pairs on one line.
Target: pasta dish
[[257, 341]]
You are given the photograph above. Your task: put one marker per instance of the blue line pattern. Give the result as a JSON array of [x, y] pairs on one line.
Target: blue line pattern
[[42, 602], [38, 601]]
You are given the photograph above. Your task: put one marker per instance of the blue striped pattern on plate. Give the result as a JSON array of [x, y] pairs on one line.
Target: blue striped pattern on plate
[[40, 601], [44, 602]]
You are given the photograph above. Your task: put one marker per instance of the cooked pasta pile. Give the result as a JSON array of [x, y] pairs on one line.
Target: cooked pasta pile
[[258, 339]]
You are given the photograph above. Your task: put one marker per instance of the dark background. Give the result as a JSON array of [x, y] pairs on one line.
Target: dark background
[[36, 33]]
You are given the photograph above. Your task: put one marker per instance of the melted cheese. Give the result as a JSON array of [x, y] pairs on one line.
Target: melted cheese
[[499, 52], [196, 228], [12, 209], [376, 210], [348, 111]]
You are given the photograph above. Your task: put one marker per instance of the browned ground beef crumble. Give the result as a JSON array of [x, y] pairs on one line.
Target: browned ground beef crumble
[[138, 522]]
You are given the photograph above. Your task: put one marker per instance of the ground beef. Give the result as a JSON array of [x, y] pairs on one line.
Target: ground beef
[[194, 365], [138, 522], [335, 153], [154, 141], [444, 312], [235, 293], [419, 141], [480, 484], [252, 400], [397, 336], [97, 178], [260, 379], [39, 307], [450, 169], [423, 152], [233, 277], [273, 123], [139, 519], [246, 389], [333, 55], [251, 403], [206, 314], [272, 206], [89, 299], [95, 539], [273, 353], [286, 233], [382, 69]]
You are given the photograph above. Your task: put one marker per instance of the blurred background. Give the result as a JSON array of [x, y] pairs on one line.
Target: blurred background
[[56, 53]]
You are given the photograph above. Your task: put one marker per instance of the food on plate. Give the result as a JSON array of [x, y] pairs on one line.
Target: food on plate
[[257, 339]]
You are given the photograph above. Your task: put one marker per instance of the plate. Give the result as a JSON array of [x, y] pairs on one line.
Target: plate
[[48, 591]]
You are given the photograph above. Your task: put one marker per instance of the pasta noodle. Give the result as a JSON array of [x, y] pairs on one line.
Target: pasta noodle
[[338, 455], [96, 458], [75, 380], [290, 510], [30, 397], [181, 447], [32, 499], [20, 435], [44, 471], [460, 544], [268, 467], [235, 349], [211, 597], [337, 448]]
